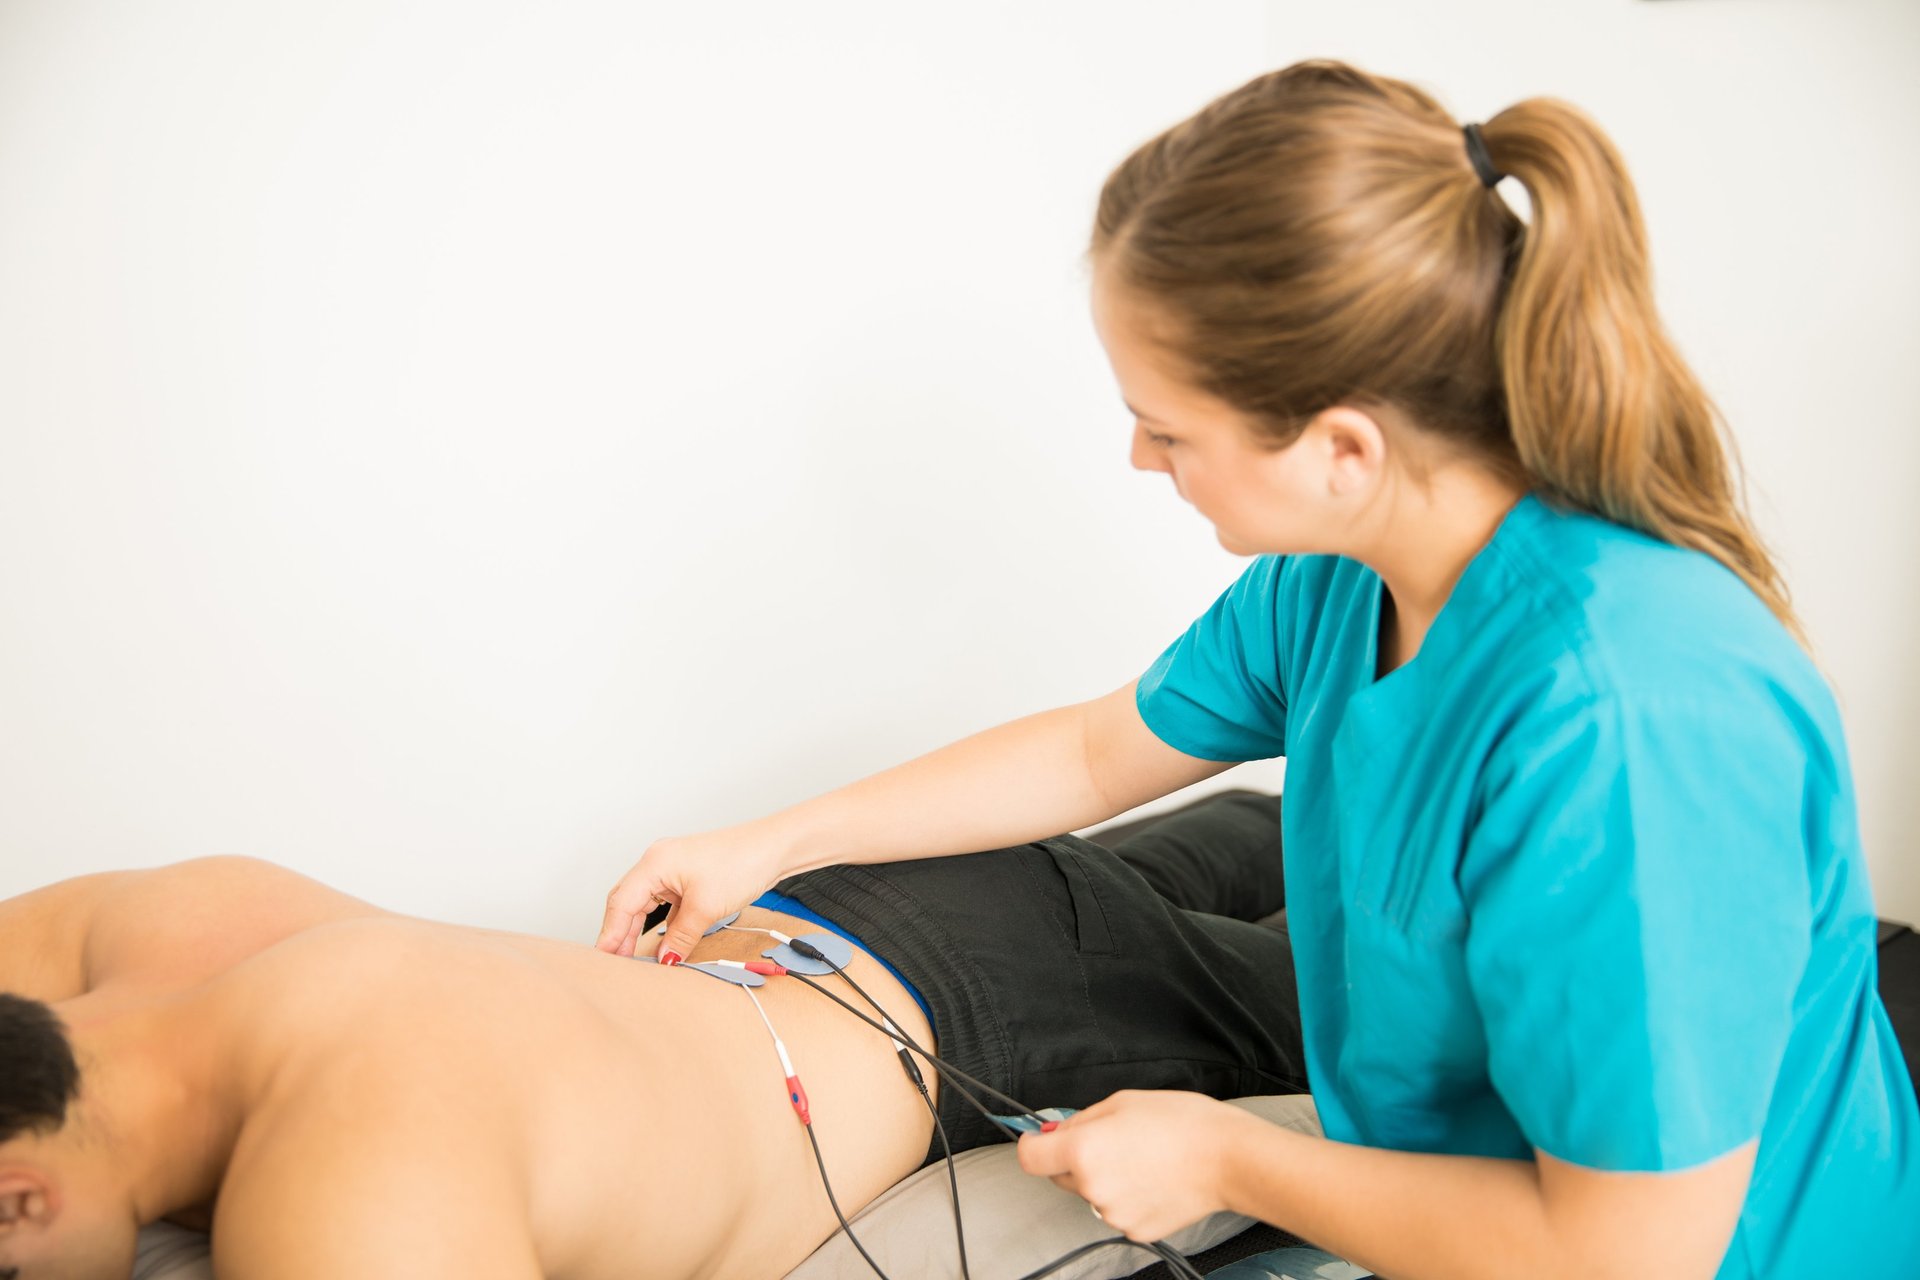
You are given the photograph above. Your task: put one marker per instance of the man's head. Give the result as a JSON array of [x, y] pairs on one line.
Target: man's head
[[57, 1216]]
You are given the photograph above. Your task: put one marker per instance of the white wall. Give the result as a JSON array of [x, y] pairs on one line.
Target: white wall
[[445, 445], [1776, 148]]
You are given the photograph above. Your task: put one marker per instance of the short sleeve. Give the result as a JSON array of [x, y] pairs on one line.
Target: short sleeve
[[1216, 693], [1639, 917]]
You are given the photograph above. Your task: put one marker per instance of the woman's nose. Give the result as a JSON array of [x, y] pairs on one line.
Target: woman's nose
[[1145, 456]]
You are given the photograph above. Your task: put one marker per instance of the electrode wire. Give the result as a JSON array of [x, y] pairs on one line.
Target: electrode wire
[[813, 1140], [1171, 1256], [757, 1008], [947, 1070], [900, 1040], [953, 1180], [844, 1224], [1166, 1253]]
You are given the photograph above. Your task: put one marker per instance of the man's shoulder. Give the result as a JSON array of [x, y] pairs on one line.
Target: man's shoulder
[[42, 938], [158, 928], [374, 1172]]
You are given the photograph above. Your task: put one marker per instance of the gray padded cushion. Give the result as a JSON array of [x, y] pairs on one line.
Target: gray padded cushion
[[1015, 1223], [168, 1252]]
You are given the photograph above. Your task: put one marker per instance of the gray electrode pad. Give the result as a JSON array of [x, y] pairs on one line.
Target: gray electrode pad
[[724, 972], [832, 946], [712, 929], [727, 973]]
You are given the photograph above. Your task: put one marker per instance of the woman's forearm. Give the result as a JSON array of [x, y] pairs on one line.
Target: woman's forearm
[[1401, 1214], [1029, 779], [1413, 1216], [1020, 781]]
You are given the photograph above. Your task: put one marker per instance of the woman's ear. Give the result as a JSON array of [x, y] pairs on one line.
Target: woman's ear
[[1351, 447]]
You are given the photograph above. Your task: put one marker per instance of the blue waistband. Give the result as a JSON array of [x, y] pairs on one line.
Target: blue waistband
[[781, 902]]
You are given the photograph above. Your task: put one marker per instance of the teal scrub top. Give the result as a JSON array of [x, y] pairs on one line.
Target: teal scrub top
[[1583, 876]]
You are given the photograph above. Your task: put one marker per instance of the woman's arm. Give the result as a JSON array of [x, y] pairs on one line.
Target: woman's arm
[[1026, 780], [1029, 779], [1401, 1214], [1434, 1217]]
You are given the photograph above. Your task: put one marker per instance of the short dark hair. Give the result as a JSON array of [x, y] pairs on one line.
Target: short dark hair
[[38, 1074]]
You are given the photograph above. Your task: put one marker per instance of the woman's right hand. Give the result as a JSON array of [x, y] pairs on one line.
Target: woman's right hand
[[699, 878]]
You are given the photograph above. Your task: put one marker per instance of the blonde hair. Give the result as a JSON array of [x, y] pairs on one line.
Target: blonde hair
[[1319, 236]]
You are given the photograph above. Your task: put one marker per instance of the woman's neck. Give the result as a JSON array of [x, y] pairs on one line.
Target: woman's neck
[[1421, 539]]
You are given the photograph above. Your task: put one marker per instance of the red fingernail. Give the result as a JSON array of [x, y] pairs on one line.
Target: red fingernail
[[1048, 1126], [669, 957]]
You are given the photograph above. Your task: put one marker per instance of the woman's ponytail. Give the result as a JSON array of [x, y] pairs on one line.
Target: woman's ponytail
[[1603, 412]]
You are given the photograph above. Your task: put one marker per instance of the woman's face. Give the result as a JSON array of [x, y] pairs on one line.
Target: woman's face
[[1258, 498]]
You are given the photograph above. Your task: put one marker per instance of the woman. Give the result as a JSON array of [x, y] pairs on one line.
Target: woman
[[1582, 930]]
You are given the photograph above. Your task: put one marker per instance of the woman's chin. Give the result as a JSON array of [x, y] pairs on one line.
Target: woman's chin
[[1232, 544]]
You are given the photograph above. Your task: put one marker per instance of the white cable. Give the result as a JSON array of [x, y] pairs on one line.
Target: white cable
[[779, 1047], [775, 934]]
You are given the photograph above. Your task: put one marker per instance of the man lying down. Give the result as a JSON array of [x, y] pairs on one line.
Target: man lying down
[[333, 1089]]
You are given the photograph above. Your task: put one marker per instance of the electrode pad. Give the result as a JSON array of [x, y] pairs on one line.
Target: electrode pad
[[724, 972], [727, 973], [712, 929], [832, 946]]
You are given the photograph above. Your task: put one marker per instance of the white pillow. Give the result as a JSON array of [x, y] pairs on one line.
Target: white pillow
[[1015, 1223]]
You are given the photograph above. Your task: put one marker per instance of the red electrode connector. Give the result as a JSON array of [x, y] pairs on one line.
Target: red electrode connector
[[797, 1095], [765, 968], [796, 1092]]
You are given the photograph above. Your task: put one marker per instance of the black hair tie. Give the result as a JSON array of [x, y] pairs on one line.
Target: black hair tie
[[1477, 152]]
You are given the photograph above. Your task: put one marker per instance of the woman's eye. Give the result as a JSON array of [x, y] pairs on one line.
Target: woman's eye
[[1158, 440]]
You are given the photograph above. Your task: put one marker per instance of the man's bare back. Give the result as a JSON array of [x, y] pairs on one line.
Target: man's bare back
[[364, 1089]]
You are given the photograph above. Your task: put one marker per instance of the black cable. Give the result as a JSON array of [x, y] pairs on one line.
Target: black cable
[[893, 1031], [1088, 1248], [844, 1224], [919, 1083], [1174, 1259], [946, 1146], [953, 1184], [1081, 1252], [948, 1072], [953, 1177], [946, 1069], [1165, 1252]]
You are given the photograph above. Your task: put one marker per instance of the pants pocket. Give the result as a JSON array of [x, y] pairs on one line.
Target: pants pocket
[[1093, 933]]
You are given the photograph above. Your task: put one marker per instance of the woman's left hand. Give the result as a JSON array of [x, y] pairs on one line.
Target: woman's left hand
[[1149, 1162]]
